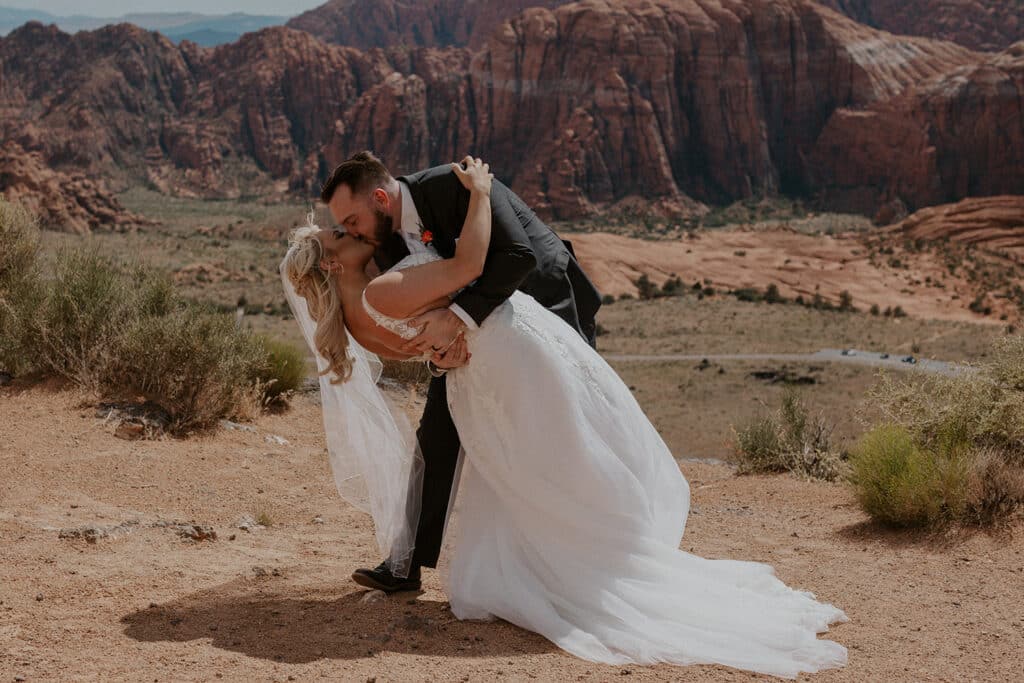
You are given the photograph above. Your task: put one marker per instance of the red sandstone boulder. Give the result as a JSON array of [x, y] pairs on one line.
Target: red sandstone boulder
[[67, 202]]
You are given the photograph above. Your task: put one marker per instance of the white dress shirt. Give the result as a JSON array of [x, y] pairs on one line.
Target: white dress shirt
[[412, 229]]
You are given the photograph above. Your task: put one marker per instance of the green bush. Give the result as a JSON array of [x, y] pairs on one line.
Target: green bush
[[747, 294], [900, 484], [645, 288], [788, 441], [285, 370], [948, 449], [772, 295]]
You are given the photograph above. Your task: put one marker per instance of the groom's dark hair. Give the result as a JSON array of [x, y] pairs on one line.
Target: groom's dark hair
[[360, 172]]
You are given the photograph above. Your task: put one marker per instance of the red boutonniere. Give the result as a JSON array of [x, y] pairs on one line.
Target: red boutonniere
[[427, 237]]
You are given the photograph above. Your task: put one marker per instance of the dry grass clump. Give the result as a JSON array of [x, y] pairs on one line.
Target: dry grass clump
[[948, 449], [125, 333], [790, 440]]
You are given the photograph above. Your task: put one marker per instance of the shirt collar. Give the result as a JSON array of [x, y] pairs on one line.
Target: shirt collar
[[411, 223]]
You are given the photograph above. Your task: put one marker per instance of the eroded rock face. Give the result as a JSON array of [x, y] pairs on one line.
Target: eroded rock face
[[993, 223], [412, 23], [977, 24], [72, 202], [955, 135], [580, 107]]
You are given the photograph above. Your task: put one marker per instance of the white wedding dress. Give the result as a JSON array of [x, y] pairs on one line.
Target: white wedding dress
[[571, 510]]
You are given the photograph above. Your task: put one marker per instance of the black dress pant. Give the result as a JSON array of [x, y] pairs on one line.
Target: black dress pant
[[439, 445]]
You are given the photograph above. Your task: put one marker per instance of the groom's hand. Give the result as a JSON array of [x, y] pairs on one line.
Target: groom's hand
[[456, 356], [438, 329]]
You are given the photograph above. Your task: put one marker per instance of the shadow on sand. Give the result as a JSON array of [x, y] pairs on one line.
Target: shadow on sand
[[268, 619]]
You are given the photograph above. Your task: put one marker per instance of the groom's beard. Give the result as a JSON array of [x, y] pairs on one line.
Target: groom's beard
[[383, 226]]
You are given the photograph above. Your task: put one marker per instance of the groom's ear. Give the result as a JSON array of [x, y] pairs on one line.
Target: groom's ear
[[382, 198]]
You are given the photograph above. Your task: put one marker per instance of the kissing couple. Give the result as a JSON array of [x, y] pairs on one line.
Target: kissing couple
[[570, 507]]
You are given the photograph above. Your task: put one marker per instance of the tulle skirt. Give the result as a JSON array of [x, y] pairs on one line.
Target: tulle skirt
[[570, 510]]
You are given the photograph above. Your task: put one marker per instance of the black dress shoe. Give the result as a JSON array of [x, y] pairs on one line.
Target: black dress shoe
[[380, 578]]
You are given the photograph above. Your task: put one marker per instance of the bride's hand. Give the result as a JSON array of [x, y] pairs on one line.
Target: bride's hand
[[476, 176]]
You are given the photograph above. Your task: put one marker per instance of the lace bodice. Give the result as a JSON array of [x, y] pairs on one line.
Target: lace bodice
[[396, 325]]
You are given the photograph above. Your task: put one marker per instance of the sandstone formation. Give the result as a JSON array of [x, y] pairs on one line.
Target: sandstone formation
[[977, 24], [993, 223], [410, 23], [800, 265], [579, 108], [70, 202], [956, 135]]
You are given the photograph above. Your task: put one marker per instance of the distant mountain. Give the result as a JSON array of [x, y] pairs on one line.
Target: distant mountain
[[11, 18], [205, 29], [205, 36]]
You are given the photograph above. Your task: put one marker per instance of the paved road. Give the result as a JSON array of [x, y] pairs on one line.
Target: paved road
[[856, 357]]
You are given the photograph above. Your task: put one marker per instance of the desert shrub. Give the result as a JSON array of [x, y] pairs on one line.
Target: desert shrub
[[122, 331], [845, 301], [772, 295], [608, 299], [790, 440], [19, 282], [193, 363], [900, 484], [747, 294], [86, 306], [645, 288], [673, 286], [758, 445], [284, 372], [959, 440]]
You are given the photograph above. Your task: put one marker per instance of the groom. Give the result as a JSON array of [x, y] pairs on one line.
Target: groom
[[424, 211]]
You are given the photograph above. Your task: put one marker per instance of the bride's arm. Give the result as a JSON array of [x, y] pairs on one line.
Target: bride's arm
[[405, 293]]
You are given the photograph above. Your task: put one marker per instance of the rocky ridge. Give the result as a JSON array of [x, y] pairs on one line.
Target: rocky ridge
[[580, 108], [412, 23], [978, 24], [72, 202]]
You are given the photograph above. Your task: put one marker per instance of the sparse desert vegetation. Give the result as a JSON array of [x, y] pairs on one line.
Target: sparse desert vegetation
[[790, 439], [122, 331], [946, 449]]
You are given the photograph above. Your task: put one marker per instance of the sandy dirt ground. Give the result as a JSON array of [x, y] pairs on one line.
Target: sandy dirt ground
[[276, 603]]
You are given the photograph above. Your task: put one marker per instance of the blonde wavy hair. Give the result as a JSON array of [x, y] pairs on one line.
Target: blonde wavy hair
[[318, 288]]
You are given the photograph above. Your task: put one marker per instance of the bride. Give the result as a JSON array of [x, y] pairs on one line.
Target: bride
[[571, 508]]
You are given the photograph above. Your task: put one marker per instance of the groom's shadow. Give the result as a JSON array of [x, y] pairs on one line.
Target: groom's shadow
[[297, 625]]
